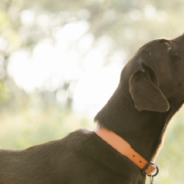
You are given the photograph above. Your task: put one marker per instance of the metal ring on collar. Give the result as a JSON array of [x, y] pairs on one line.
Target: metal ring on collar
[[154, 165]]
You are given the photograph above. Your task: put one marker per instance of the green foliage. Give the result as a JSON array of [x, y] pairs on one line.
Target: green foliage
[[34, 126], [3, 93], [170, 158]]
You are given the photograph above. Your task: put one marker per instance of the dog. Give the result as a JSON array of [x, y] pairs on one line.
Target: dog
[[150, 91]]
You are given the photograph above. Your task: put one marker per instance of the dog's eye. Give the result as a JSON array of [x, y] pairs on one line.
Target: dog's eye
[[169, 46]]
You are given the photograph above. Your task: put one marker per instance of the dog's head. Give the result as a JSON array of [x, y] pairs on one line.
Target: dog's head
[[156, 74]]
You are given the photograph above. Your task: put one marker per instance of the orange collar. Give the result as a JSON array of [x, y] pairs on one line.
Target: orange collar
[[124, 148]]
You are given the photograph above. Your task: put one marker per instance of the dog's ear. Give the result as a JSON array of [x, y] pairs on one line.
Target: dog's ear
[[145, 93]]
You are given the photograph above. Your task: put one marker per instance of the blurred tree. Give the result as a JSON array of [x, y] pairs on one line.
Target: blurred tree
[[11, 39], [123, 25]]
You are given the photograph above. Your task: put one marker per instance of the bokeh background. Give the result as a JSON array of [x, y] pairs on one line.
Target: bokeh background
[[60, 61]]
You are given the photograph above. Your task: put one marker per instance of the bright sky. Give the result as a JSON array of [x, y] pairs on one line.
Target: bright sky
[[50, 64]]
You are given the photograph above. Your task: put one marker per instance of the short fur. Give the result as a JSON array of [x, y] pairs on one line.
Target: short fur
[[148, 95]]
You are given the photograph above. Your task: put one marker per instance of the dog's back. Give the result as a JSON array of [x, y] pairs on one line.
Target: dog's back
[[75, 159]]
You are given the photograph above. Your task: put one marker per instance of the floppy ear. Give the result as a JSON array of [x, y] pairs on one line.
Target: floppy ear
[[145, 94]]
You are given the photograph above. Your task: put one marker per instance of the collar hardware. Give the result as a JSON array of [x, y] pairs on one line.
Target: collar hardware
[[152, 174]]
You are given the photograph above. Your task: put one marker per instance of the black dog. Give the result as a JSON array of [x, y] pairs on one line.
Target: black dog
[[150, 91]]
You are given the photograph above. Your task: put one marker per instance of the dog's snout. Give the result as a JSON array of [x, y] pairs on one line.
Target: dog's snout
[[179, 38]]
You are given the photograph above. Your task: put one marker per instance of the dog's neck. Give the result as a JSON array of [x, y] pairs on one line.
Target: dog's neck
[[144, 131]]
